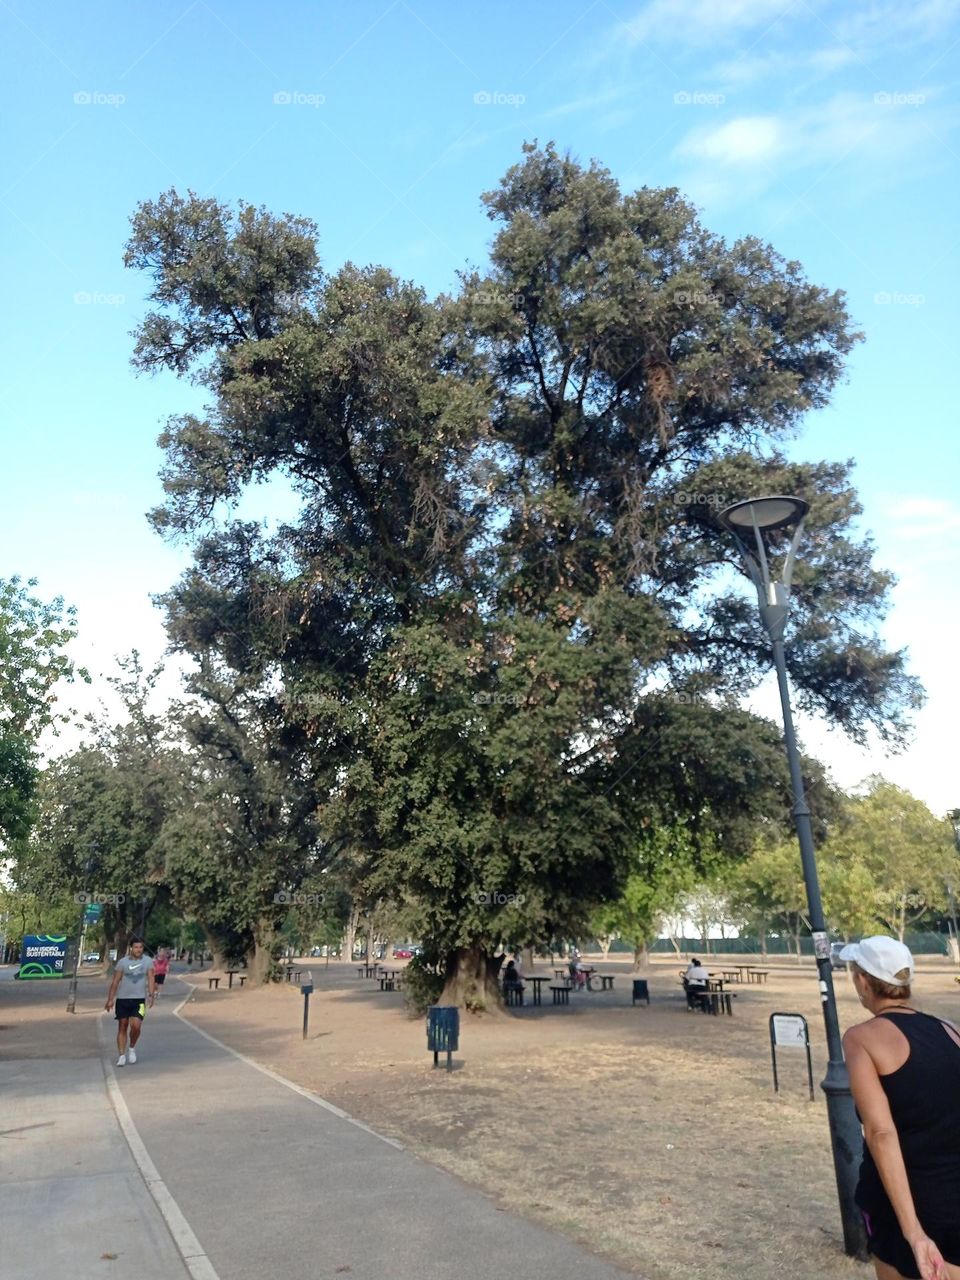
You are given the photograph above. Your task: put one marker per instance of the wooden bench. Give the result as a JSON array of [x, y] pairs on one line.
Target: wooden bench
[[605, 980], [213, 983], [561, 995], [243, 978]]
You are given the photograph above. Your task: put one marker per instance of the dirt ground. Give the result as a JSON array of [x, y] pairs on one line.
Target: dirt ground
[[653, 1135]]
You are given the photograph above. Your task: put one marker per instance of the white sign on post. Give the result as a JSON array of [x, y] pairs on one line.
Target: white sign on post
[[790, 1030]]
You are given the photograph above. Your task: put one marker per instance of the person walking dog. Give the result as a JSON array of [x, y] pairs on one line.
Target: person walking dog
[[905, 1077], [132, 988]]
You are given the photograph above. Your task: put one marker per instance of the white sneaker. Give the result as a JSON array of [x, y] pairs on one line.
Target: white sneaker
[[131, 1055], [122, 1060]]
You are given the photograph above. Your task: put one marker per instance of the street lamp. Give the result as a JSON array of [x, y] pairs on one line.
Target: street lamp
[[81, 933], [750, 522], [954, 816]]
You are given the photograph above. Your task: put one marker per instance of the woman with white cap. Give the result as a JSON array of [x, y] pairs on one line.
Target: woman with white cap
[[905, 1077]]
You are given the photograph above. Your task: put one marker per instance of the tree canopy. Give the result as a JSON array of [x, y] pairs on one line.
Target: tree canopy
[[502, 630]]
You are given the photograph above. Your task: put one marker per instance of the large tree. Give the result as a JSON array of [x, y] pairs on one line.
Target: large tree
[[102, 811], [34, 635], [903, 854], [503, 611]]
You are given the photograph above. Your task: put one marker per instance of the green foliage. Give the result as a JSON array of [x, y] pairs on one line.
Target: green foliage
[[422, 985], [33, 637], [899, 852]]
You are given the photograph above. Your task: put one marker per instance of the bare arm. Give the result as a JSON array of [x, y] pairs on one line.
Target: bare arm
[[112, 993], [880, 1134], [151, 984]]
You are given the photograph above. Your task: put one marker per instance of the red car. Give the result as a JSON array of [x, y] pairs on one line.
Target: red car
[[402, 953]]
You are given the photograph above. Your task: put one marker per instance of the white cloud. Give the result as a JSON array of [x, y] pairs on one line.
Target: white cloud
[[697, 22], [850, 128], [891, 25], [747, 140]]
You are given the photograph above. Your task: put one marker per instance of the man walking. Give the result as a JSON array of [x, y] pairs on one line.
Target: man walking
[[133, 988]]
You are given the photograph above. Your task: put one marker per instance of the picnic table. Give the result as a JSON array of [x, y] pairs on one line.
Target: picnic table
[[230, 976], [537, 984], [757, 975], [731, 975]]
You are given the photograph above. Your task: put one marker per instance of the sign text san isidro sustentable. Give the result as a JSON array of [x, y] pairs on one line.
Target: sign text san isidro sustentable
[[43, 955]]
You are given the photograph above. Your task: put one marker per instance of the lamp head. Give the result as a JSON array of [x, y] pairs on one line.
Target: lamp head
[[765, 514]]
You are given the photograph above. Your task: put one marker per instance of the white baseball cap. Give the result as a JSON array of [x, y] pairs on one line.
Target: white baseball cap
[[881, 957]]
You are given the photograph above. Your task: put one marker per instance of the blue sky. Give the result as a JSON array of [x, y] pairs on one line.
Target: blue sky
[[829, 129]]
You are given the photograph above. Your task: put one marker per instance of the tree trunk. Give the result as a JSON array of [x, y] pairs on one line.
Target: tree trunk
[[470, 980], [262, 963], [641, 958], [350, 935], [605, 946], [796, 938]]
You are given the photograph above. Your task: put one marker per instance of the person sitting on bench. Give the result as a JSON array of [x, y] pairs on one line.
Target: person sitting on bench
[[512, 976], [695, 981]]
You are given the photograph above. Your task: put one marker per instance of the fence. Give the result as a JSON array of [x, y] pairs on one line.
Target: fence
[[921, 944]]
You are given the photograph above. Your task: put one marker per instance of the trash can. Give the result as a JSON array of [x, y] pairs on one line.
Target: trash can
[[640, 990], [443, 1031]]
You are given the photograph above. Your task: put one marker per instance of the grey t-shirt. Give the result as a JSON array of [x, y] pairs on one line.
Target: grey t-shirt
[[133, 983]]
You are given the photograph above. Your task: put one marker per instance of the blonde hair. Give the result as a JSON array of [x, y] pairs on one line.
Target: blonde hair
[[886, 990]]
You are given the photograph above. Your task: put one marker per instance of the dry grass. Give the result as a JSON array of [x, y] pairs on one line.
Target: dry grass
[[652, 1135]]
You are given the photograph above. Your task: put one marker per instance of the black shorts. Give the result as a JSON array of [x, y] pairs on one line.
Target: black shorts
[[158, 978], [130, 1009]]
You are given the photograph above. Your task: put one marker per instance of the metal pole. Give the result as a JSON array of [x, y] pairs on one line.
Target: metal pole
[[306, 1012], [846, 1135], [72, 995]]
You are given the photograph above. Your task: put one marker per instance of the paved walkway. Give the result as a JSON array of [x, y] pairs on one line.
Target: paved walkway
[[268, 1182], [72, 1200]]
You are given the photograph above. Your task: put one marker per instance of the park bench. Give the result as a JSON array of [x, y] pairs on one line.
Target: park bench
[[605, 980], [512, 993], [561, 995], [213, 983]]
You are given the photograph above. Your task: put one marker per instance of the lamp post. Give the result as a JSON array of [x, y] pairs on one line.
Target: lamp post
[[954, 816], [81, 933], [749, 522]]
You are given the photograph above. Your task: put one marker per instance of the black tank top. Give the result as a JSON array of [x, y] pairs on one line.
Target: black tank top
[[924, 1097]]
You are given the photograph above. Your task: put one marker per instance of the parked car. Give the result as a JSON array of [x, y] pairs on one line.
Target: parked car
[[403, 953], [91, 957], [835, 961]]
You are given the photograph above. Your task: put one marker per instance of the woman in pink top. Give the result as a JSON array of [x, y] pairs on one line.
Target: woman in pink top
[[161, 963]]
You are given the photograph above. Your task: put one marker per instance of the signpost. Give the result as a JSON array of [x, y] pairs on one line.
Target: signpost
[[790, 1031], [307, 990]]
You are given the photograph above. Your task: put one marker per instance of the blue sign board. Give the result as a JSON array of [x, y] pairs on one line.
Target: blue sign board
[[43, 956], [92, 912]]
